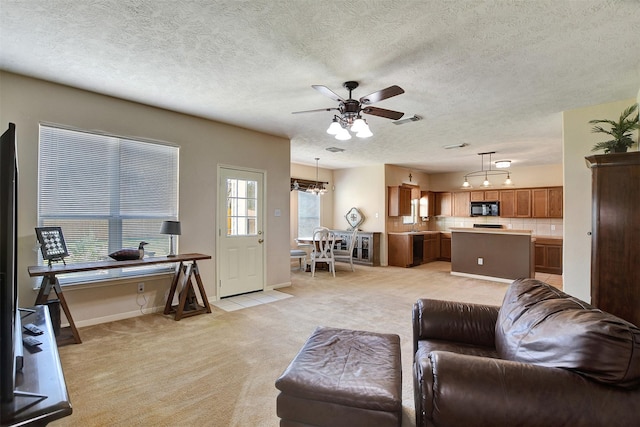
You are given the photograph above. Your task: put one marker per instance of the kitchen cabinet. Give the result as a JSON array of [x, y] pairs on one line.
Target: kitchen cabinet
[[546, 202], [461, 204], [522, 203], [399, 200], [443, 204], [427, 204], [431, 247], [615, 233], [400, 249], [487, 195], [507, 203], [367, 248], [445, 247], [548, 255], [411, 249]]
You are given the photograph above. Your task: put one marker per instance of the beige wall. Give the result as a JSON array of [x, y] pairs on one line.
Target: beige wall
[[360, 188], [577, 142], [204, 145]]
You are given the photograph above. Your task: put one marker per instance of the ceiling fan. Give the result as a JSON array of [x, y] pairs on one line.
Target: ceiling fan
[[350, 109]]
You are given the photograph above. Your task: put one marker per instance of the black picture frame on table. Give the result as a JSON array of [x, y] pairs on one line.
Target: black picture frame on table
[[52, 244]]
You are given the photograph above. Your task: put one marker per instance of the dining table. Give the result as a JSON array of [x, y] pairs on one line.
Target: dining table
[[311, 241]]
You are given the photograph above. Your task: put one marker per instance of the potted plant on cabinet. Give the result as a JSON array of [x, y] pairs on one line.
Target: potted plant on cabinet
[[621, 131]]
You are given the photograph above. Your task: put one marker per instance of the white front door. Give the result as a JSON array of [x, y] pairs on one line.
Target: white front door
[[240, 231]]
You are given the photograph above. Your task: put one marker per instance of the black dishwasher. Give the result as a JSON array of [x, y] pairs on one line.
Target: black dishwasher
[[418, 245]]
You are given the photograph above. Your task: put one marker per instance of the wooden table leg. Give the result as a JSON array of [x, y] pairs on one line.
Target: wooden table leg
[[51, 282], [203, 294], [172, 289]]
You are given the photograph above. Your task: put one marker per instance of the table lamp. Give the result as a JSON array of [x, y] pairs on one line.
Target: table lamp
[[173, 229]]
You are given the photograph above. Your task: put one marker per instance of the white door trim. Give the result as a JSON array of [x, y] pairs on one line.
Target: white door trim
[[221, 219]]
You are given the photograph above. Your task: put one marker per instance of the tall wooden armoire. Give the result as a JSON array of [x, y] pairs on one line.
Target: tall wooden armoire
[[615, 246]]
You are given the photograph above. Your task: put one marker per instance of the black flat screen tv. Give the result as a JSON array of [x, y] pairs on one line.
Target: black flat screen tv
[[9, 339]]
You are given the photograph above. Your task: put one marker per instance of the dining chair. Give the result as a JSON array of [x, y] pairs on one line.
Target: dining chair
[[323, 239], [347, 255]]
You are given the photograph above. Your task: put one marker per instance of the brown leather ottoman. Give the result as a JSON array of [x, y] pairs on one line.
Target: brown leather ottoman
[[343, 377]]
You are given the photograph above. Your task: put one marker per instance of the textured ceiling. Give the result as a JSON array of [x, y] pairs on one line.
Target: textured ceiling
[[495, 75]]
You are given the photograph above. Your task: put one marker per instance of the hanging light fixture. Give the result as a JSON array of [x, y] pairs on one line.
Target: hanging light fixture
[[341, 125], [489, 172], [317, 188]]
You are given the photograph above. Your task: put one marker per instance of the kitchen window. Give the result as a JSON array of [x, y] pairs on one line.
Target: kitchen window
[[106, 193]]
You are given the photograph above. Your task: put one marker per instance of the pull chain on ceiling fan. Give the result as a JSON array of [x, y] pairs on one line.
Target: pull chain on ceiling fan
[[350, 109]]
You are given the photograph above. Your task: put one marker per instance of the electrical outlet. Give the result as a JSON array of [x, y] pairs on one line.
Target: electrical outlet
[[480, 261], [140, 288]]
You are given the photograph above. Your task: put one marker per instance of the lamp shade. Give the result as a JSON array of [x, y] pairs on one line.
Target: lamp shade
[[170, 227]]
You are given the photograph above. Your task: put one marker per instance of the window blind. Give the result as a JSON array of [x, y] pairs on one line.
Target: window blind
[[106, 192]]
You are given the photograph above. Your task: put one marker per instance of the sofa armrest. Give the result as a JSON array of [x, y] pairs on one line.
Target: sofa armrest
[[454, 321], [456, 389]]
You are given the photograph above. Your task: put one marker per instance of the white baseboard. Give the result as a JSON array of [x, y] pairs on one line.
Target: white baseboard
[[114, 317]]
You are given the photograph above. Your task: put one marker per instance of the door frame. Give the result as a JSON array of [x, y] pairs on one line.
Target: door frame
[[220, 221]]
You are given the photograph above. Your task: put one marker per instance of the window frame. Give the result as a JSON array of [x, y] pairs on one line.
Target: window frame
[[118, 217]]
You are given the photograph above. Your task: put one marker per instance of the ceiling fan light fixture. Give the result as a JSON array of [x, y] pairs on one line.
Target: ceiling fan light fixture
[[334, 127], [343, 134], [358, 125], [365, 132]]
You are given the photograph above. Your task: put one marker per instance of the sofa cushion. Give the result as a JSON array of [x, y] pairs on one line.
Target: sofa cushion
[[540, 324]]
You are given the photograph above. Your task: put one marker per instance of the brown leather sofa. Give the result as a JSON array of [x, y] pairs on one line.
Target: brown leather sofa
[[544, 358]]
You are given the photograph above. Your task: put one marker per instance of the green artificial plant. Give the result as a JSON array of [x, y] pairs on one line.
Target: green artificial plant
[[620, 131]]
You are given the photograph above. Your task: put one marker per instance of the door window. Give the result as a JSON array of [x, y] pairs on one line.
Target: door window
[[242, 200]]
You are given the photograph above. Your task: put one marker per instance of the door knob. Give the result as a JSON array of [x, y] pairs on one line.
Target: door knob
[[261, 240]]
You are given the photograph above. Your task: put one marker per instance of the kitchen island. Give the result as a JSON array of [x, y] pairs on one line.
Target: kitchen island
[[494, 254]]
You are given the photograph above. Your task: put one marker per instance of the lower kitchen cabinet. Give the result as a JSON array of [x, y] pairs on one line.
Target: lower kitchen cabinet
[[411, 249], [548, 256], [367, 248], [431, 247], [445, 247]]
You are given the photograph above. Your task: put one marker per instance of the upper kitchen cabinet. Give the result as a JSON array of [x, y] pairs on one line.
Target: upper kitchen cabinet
[[462, 203], [546, 202], [522, 203], [507, 203], [487, 195], [427, 204], [443, 204], [400, 200]]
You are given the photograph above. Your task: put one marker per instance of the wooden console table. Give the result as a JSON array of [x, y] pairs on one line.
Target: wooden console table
[[183, 274]]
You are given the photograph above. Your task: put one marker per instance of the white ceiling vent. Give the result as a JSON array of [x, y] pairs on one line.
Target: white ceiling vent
[[415, 118]]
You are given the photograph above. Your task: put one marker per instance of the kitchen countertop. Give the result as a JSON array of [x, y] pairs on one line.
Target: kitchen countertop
[[490, 230], [414, 232], [536, 237]]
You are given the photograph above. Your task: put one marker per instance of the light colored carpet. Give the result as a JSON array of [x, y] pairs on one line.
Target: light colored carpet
[[219, 369]]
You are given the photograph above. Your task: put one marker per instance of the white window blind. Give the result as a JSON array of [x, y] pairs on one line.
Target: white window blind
[[106, 192]]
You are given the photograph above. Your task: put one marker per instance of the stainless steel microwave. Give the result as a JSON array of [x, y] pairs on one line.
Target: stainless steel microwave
[[485, 208]]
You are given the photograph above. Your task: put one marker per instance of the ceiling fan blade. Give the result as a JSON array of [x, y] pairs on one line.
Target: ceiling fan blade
[[327, 92], [314, 111], [382, 94], [389, 114]]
